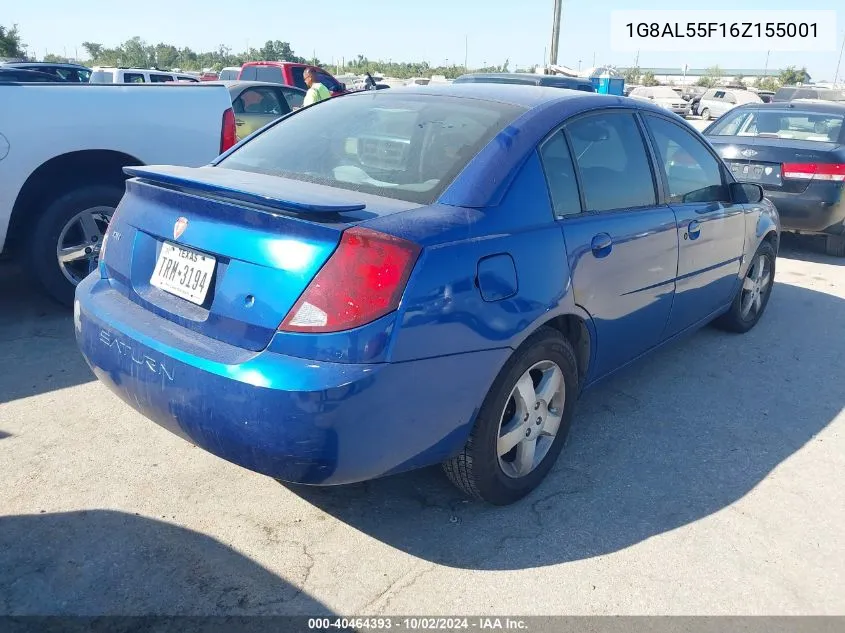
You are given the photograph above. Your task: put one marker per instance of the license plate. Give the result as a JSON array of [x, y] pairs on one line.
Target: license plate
[[183, 272]]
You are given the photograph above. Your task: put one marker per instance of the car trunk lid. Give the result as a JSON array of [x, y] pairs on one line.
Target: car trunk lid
[[227, 253]]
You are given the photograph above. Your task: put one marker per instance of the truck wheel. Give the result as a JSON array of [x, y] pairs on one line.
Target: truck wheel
[[754, 293], [522, 424], [64, 246], [835, 245]]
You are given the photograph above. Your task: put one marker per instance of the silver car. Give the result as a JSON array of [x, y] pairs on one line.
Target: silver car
[[664, 96], [716, 101]]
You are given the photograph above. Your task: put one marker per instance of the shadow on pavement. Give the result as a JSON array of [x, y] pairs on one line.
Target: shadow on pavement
[[101, 562], [690, 431], [807, 248], [37, 345]]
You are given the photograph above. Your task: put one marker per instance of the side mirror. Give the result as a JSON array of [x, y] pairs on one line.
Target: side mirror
[[746, 192]]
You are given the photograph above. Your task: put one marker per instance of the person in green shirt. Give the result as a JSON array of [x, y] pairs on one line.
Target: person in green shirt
[[316, 91]]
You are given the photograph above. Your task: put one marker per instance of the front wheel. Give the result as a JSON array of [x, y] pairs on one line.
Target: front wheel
[[754, 293], [522, 424], [705, 114]]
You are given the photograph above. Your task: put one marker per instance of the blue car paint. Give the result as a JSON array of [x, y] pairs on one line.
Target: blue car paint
[[401, 392]]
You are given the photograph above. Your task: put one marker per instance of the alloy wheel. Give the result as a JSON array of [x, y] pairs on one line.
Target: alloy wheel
[[80, 241], [755, 286]]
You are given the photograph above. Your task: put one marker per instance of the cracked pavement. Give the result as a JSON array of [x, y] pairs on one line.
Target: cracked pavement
[[705, 480]]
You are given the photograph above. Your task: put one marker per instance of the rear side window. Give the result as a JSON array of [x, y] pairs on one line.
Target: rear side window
[[612, 161], [293, 97], [133, 78], [260, 101], [398, 145], [560, 175], [73, 75], [692, 172], [272, 74], [160, 79]]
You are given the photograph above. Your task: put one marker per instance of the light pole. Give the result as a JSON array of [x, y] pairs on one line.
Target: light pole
[[839, 62], [555, 32]]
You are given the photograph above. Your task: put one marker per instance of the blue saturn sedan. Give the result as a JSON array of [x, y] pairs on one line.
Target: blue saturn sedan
[[401, 278]]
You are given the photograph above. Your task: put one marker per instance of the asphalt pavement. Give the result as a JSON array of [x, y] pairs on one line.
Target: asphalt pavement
[[706, 480]]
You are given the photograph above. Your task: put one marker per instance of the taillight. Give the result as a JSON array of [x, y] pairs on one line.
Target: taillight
[[363, 280], [814, 171], [229, 134]]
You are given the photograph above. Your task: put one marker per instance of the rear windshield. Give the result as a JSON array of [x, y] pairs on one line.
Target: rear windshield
[[408, 147], [790, 124]]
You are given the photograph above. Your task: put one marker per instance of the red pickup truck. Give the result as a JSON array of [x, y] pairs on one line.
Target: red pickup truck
[[289, 74]]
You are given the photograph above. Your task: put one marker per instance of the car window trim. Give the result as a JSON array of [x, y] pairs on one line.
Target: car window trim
[[657, 184], [727, 176], [560, 129]]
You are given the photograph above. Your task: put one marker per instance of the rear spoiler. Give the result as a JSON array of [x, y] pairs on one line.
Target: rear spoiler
[[258, 189]]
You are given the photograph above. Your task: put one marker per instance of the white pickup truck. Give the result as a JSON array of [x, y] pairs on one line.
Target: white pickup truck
[[63, 148]]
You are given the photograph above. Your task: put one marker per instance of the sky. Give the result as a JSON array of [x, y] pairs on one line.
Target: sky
[[438, 31]]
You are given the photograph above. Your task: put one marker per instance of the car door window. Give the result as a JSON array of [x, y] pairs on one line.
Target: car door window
[[612, 161], [560, 175], [133, 78], [260, 101], [692, 172], [327, 81], [298, 73], [160, 79], [294, 98]]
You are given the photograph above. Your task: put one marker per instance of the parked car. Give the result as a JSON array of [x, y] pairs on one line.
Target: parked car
[[788, 93], [289, 74], [378, 296], [554, 81], [258, 103], [74, 73], [796, 151], [716, 101], [209, 76], [19, 75], [230, 73], [663, 96], [105, 75], [63, 147]]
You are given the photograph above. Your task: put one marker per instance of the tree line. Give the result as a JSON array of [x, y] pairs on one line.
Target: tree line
[[715, 77], [137, 53]]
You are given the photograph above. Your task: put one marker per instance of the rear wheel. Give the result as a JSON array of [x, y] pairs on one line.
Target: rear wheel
[[835, 245], [522, 424], [754, 293], [65, 244]]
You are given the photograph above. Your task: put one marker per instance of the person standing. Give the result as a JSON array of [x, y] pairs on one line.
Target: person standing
[[316, 91]]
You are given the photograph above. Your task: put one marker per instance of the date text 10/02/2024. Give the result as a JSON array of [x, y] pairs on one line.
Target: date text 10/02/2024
[[723, 29]]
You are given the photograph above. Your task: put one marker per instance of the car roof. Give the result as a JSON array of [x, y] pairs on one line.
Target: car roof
[[44, 65], [523, 78], [817, 107], [524, 95], [236, 83]]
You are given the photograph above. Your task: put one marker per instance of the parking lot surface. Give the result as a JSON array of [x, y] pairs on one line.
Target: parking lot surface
[[705, 480]]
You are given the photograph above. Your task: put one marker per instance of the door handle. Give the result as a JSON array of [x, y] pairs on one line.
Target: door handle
[[601, 245], [693, 230], [239, 122]]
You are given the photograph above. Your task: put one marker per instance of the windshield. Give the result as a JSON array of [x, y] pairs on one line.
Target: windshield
[[791, 124], [401, 146]]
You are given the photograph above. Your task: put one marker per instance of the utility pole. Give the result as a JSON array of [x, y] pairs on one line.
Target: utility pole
[[838, 63], [555, 33], [466, 48]]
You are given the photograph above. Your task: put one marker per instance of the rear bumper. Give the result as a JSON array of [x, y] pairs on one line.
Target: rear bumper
[[290, 418], [819, 209]]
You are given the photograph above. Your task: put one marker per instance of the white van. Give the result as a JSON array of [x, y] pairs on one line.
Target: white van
[[230, 73], [716, 101], [111, 75]]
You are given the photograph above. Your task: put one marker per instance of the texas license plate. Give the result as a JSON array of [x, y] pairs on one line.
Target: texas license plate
[[756, 172], [183, 272]]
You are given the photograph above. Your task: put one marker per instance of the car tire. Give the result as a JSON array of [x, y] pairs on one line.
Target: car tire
[[479, 470], [753, 294], [59, 221], [834, 245], [705, 114]]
